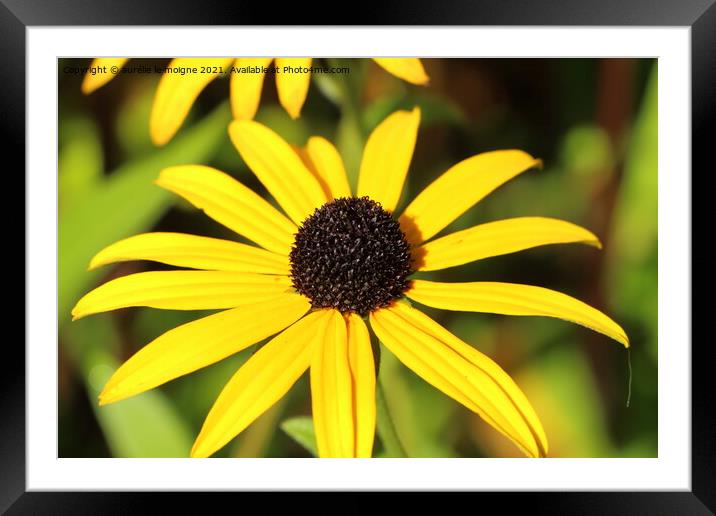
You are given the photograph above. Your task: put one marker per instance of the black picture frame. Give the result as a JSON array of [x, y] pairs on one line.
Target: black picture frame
[[700, 15]]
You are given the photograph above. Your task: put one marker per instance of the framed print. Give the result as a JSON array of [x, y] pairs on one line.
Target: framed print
[[429, 257]]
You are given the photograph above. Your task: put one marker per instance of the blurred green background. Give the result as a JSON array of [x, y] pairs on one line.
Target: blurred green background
[[592, 121]]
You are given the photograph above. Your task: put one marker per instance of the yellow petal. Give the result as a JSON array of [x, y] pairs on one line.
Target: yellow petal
[[360, 357], [194, 252], [246, 86], [101, 73], [332, 392], [327, 165], [229, 202], [292, 85], [461, 372], [202, 342], [278, 167], [260, 383], [182, 290], [498, 238], [177, 92], [514, 299], [407, 68], [387, 156], [462, 186], [343, 389]]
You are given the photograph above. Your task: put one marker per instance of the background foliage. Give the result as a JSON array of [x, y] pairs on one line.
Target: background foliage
[[593, 122]]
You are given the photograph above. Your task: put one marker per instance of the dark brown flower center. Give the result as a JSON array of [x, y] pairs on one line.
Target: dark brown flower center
[[351, 255]]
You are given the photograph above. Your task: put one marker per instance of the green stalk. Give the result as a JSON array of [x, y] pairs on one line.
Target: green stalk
[[350, 134], [386, 427], [350, 87]]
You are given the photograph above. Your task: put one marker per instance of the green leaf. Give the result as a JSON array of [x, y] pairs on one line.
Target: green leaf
[[637, 205], [126, 203], [146, 425], [632, 251], [300, 429]]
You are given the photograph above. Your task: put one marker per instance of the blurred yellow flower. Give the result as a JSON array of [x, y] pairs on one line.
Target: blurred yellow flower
[[332, 260], [178, 91]]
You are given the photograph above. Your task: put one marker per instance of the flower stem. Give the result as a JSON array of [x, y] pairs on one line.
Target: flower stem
[[350, 88], [350, 134], [386, 427]]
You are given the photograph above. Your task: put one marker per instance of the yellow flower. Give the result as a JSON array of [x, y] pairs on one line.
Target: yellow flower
[[177, 91], [332, 260]]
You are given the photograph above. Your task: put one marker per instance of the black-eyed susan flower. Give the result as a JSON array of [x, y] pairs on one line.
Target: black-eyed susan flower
[[320, 270], [177, 92]]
